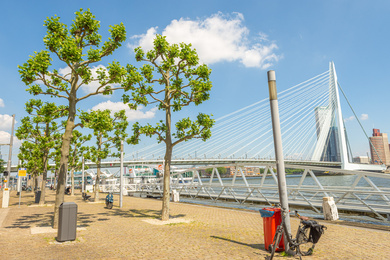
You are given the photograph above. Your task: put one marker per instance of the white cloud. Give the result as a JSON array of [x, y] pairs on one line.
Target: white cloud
[[4, 137], [6, 122], [364, 117], [91, 87], [1, 102], [217, 38], [132, 115], [351, 118]]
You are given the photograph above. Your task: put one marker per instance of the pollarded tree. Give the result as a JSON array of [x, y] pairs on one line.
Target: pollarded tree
[[108, 132], [28, 154], [172, 78], [78, 47], [39, 132], [77, 151]]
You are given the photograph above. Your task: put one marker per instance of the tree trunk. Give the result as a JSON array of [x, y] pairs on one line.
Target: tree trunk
[[167, 167], [44, 174], [35, 183], [72, 180], [43, 186], [55, 179], [167, 183], [66, 139], [32, 182], [97, 181]]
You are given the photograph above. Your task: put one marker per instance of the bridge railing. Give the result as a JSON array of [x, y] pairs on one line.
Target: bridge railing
[[351, 190]]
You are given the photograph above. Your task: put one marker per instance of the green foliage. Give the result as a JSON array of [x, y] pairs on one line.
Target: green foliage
[[294, 171], [172, 79], [77, 47], [2, 165], [77, 149], [221, 170], [55, 153], [39, 131], [108, 132]]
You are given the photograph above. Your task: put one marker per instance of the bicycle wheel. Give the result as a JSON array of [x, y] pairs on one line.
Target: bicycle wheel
[[305, 246], [272, 247]]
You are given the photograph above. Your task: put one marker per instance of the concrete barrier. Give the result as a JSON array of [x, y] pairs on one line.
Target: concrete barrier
[[175, 196], [329, 208]]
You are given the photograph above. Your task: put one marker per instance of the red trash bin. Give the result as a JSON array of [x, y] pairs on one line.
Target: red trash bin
[[272, 217]]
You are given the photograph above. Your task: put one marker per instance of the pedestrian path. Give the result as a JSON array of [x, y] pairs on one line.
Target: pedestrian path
[[195, 232]]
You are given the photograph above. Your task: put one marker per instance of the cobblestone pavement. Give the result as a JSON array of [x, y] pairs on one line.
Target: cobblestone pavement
[[211, 233]]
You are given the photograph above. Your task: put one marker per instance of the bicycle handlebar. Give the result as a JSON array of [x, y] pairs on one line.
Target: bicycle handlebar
[[301, 217]]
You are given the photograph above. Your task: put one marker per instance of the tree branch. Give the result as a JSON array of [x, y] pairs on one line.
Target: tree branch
[[97, 92], [53, 94], [61, 77], [51, 86], [183, 139]]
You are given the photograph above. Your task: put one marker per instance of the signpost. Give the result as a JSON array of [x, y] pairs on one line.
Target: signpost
[[22, 172]]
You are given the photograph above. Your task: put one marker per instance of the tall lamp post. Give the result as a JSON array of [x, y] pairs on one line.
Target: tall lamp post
[[282, 186], [6, 181]]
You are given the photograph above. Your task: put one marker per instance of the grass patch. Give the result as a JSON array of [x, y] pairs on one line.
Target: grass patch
[[49, 239]]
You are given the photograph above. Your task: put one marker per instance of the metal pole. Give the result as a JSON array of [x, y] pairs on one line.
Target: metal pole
[[121, 178], [10, 150], [279, 151], [19, 188], [6, 181], [82, 175]]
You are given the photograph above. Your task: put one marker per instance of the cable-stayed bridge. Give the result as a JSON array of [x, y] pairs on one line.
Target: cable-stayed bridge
[[311, 125]]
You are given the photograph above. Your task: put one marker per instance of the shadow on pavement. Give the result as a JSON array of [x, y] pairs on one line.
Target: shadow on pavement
[[256, 246], [85, 219], [34, 220], [134, 213]]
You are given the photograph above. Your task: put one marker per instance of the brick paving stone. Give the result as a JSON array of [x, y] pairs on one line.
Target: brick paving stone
[[212, 233]]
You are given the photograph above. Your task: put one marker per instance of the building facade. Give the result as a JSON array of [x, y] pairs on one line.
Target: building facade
[[361, 159], [379, 148], [332, 147]]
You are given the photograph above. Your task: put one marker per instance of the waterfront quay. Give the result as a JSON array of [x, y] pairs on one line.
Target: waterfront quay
[[194, 232]]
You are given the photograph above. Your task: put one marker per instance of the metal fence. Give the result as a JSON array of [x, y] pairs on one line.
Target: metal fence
[[352, 190]]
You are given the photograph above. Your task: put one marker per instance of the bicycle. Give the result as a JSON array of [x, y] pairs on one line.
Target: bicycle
[[308, 234], [109, 200]]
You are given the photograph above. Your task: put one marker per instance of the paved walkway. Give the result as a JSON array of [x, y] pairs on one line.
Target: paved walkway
[[133, 233]]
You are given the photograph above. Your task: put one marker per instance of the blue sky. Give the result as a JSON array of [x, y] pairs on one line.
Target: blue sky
[[297, 39]]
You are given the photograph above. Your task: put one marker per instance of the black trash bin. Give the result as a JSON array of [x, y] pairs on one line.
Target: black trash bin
[[67, 223], [37, 196]]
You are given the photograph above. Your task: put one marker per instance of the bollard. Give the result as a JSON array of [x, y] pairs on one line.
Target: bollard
[[329, 209], [175, 196], [5, 198]]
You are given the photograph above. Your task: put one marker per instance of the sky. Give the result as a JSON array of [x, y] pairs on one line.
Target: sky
[[239, 40]]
